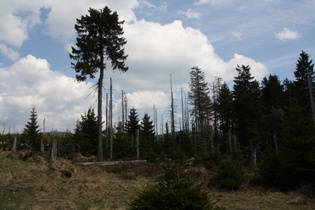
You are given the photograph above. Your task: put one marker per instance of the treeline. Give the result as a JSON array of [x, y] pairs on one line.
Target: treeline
[[266, 126]]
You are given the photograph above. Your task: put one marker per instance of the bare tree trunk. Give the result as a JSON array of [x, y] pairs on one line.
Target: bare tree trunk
[[235, 142], [14, 144], [137, 143], [122, 111], [274, 136], [53, 151], [172, 110], [42, 145], [99, 115], [111, 120], [230, 139], [253, 161]]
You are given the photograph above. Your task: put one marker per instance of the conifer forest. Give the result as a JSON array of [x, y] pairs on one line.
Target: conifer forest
[[263, 127]]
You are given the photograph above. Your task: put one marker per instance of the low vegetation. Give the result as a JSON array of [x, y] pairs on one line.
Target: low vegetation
[[33, 184]]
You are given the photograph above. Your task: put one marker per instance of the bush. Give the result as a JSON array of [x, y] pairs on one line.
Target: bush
[[175, 189], [229, 175]]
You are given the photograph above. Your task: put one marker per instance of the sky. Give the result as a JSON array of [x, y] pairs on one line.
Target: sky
[[164, 39]]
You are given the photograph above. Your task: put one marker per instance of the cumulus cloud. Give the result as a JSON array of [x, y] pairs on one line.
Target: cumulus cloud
[[57, 98], [287, 34], [190, 13], [155, 51], [16, 19], [62, 17]]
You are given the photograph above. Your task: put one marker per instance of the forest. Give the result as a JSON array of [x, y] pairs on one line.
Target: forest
[[263, 127], [266, 126]]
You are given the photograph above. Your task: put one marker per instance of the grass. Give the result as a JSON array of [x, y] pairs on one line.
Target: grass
[[32, 184]]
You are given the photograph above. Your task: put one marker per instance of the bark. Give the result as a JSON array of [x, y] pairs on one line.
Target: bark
[[253, 157], [137, 144], [274, 136], [53, 152], [14, 144], [111, 120], [99, 117], [230, 139], [42, 146]]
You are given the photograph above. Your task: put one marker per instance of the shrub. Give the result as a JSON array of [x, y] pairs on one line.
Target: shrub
[[229, 175], [173, 190]]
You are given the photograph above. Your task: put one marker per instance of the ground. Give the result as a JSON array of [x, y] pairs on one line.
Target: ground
[[33, 184]]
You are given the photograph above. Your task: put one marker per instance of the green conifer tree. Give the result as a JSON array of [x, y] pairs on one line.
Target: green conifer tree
[[31, 133]]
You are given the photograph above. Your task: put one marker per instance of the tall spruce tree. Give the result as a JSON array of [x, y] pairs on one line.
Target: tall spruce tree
[[304, 84], [273, 104], [31, 132], [247, 110], [200, 101], [99, 39], [225, 112]]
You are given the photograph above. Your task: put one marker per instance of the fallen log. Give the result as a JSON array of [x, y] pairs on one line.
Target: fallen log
[[114, 163]]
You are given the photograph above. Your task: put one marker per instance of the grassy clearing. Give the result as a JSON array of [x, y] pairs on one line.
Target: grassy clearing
[[32, 184]]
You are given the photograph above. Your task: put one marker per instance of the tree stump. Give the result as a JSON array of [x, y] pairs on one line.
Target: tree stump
[[53, 152]]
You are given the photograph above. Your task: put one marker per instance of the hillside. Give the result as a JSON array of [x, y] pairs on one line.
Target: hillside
[[32, 184]]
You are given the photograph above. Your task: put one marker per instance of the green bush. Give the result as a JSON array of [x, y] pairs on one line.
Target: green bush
[[229, 175], [175, 189]]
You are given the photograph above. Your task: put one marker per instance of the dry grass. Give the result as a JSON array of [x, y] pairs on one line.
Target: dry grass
[[32, 184]]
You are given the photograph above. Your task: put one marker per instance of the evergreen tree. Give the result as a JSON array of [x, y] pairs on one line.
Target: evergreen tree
[[247, 110], [132, 126], [147, 138], [200, 100], [304, 84], [99, 39], [31, 132], [273, 103], [225, 111], [86, 133], [122, 147]]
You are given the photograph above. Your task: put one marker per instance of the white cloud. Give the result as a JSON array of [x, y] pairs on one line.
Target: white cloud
[[200, 2], [190, 14], [238, 35], [156, 51], [258, 70], [62, 17], [9, 52], [287, 34], [56, 97], [146, 99]]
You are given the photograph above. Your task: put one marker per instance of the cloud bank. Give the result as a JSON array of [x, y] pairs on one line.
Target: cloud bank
[[155, 51]]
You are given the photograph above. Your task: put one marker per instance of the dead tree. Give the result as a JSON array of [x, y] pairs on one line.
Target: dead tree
[[53, 152], [111, 120], [172, 110]]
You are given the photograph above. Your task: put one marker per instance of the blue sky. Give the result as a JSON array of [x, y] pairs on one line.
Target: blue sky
[[164, 37]]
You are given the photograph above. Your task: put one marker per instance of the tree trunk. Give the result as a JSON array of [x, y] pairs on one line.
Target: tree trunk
[[274, 136], [230, 139], [253, 161], [53, 151], [14, 144], [137, 143], [42, 146], [99, 117], [111, 120]]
